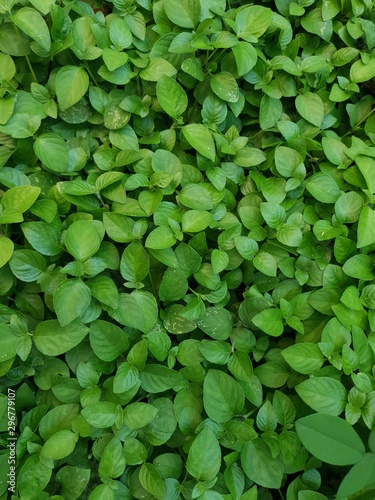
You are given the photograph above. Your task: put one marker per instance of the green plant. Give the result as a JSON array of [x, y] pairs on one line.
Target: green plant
[[187, 287]]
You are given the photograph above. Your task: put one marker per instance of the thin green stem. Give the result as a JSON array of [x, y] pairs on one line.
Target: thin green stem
[[27, 58], [31, 68], [90, 73], [281, 494]]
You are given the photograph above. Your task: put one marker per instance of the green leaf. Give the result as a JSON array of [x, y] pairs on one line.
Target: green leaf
[[200, 139], [52, 151], [152, 481], [311, 108], [156, 69], [83, 239], [361, 72], [195, 196], [224, 86], [138, 310], [158, 378], [305, 357], [59, 445], [72, 83], [270, 322], [270, 111], [323, 394], [223, 397], [134, 264], [330, 439], [253, 21], [323, 188], [137, 415], [366, 227], [349, 206], [173, 286], [33, 474], [216, 323], [71, 299], [183, 13], [287, 160], [245, 56], [52, 339], [73, 480], [6, 250], [20, 197], [260, 466], [43, 237], [32, 23], [194, 221], [8, 344], [204, 459], [112, 461], [100, 415], [27, 265], [160, 238], [171, 96], [360, 477]]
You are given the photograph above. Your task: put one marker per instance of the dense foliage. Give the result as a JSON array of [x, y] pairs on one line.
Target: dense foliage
[[187, 287]]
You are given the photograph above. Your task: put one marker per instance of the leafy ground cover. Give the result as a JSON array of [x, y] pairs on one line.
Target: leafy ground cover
[[187, 287]]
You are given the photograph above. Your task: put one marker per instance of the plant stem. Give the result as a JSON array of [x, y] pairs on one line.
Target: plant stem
[[281, 495], [90, 73], [31, 68]]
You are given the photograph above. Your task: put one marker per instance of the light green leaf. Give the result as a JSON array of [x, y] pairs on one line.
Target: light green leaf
[[152, 481], [83, 238], [171, 96], [112, 461], [33, 474], [245, 56], [323, 188], [72, 83], [311, 108], [71, 299], [52, 339], [204, 459], [20, 197], [225, 86], [194, 221], [304, 357], [100, 415], [361, 72], [137, 415], [32, 23], [270, 322], [138, 310], [200, 139], [43, 237], [323, 394], [366, 227], [59, 445], [134, 265], [6, 250], [184, 13], [160, 238]]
